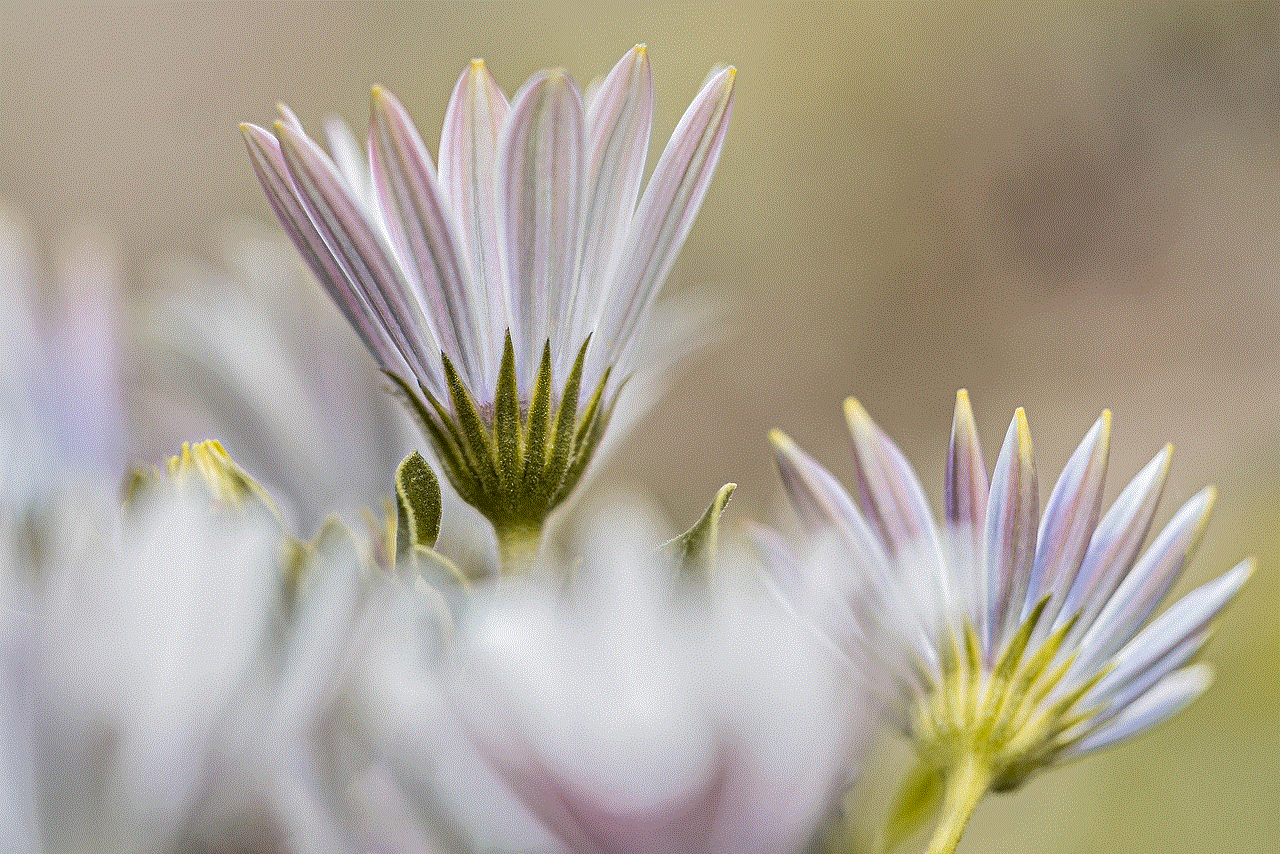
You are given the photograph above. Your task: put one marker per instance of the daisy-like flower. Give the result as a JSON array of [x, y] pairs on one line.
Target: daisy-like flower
[[502, 290], [1015, 639]]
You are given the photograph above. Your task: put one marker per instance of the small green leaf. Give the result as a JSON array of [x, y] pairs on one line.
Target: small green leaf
[[418, 505], [566, 420], [696, 548], [918, 800], [477, 439]]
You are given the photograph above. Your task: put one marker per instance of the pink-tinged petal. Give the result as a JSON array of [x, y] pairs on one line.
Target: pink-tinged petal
[[360, 250], [888, 491], [468, 157], [542, 161], [268, 162], [967, 483], [1069, 519], [1116, 542], [1012, 517], [664, 216], [821, 502], [1145, 587], [420, 227], [351, 159], [618, 121], [1162, 702]]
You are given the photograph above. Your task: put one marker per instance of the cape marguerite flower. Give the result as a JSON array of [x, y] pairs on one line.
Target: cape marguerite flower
[[502, 290], [1015, 638]]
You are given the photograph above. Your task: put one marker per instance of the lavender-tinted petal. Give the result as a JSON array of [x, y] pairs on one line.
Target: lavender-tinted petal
[[357, 245], [1012, 516], [967, 484], [1120, 688], [1069, 519], [1145, 587], [664, 216], [268, 162], [1187, 617], [540, 175], [1116, 542], [618, 123], [468, 157], [420, 226], [1159, 704], [888, 491]]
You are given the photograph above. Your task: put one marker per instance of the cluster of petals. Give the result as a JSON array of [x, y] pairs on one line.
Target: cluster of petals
[[533, 224], [1004, 574]]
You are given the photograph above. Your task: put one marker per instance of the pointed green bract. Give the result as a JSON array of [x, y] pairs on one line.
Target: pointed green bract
[[418, 506], [695, 549], [514, 461]]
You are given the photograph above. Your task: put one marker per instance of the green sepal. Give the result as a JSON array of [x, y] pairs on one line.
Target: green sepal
[[418, 506], [696, 548], [506, 422], [917, 803], [475, 437], [590, 432], [535, 449], [444, 437], [563, 445]]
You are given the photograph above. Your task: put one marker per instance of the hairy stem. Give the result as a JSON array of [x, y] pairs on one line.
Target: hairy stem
[[966, 783], [517, 547]]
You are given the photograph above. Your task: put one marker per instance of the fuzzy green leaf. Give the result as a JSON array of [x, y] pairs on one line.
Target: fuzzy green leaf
[[476, 438], [918, 801], [696, 548], [418, 505], [566, 420]]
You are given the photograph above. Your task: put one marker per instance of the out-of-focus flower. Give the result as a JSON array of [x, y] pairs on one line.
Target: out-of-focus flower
[[1014, 638], [528, 261], [166, 675], [634, 710], [244, 352], [60, 377]]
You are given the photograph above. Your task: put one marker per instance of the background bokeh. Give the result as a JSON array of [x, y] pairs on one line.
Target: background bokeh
[[1066, 208]]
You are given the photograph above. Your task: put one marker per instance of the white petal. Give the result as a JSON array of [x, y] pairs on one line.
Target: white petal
[[468, 154], [664, 216], [619, 121], [351, 159], [420, 226], [540, 175]]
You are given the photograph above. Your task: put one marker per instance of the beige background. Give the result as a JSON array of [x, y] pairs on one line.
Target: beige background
[[1062, 208]]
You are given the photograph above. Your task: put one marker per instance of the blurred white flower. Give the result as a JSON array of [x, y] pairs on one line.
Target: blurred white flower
[[531, 239], [635, 711], [1011, 639]]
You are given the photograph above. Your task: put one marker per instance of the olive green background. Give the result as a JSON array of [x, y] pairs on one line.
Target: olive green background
[[1061, 207]]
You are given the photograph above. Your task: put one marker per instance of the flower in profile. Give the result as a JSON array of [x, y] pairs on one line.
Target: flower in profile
[[502, 290], [1016, 638]]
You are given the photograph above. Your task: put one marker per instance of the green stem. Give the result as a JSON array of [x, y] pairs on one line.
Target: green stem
[[517, 547], [966, 784]]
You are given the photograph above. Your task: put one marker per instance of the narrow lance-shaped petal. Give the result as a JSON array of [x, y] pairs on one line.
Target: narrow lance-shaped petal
[[540, 175], [1012, 514], [468, 157], [665, 215], [268, 162], [1070, 516], [619, 121], [420, 227], [370, 263]]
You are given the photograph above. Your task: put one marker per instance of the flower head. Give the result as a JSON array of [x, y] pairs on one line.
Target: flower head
[[1019, 638], [502, 290]]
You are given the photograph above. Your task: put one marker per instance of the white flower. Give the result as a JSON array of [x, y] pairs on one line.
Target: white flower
[[1013, 638], [503, 290], [631, 713]]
